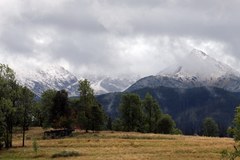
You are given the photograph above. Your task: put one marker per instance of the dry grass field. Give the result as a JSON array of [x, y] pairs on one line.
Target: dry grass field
[[120, 146]]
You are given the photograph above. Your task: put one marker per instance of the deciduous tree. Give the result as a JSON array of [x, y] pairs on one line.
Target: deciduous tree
[[86, 101], [210, 127], [8, 102], [25, 109], [166, 125], [236, 123]]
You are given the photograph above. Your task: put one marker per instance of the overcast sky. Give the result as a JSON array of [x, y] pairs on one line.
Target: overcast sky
[[116, 37]]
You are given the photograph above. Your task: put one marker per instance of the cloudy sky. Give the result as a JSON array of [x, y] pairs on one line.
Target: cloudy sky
[[116, 37]]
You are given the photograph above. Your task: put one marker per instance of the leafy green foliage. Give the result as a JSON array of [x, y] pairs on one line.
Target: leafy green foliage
[[1, 129], [26, 108], [59, 112], [97, 117], [35, 146], [235, 130], [143, 116], [236, 123], [109, 123], [90, 113], [38, 117], [8, 102], [56, 110], [117, 125], [166, 125], [131, 112], [152, 113], [231, 155], [46, 104], [188, 107], [210, 127]]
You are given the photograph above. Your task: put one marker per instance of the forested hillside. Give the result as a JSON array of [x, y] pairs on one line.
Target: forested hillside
[[188, 107]]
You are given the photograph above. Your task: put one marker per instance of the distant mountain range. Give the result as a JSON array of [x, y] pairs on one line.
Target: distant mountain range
[[58, 78], [195, 70]]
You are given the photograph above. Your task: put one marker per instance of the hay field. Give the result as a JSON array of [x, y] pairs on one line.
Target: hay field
[[120, 146]]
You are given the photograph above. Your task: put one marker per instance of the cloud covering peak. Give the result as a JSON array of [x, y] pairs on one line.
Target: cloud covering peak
[[116, 37]]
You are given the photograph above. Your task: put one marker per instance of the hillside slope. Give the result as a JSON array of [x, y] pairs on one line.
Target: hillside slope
[[188, 107]]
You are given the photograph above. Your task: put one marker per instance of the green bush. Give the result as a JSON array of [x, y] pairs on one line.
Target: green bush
[[231, 155], [66, 154], [35, 146]]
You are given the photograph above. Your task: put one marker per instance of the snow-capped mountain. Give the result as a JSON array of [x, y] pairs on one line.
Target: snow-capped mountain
[[58, 78], [198, 64], [195, 70], [50, 77], [111, 84]]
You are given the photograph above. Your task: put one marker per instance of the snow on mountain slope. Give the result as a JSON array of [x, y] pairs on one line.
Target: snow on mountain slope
[[195, 70], [50, 77], [102, 84], [58, 78], [198, 64]]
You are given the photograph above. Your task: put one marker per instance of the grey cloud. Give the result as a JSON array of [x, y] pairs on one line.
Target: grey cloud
[[14, 40], [95, 34]]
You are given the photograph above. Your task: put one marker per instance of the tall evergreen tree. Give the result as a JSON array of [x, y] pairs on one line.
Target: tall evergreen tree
[[97, 117], [59, 112], [86, 101], [132, 112], [152, 113], [46, 104]]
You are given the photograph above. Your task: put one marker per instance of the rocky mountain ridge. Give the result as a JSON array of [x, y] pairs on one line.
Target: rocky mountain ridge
[[58, 78], [195, 70]]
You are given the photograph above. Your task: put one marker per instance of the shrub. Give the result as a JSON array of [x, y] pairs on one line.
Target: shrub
[[231, 155], [35, 146], [66, 154]]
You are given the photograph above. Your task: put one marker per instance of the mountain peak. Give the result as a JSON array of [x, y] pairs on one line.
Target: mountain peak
[[199, 53], [198, 64], [194, 70]]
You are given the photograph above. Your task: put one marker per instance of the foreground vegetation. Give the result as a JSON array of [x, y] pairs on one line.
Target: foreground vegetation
[[118, 145]]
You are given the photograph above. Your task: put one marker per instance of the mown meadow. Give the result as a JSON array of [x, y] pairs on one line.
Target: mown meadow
[[108, 145]]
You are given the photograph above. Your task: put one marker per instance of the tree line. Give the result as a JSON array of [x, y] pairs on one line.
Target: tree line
[[143, 116], [57, 110], [20, 109]]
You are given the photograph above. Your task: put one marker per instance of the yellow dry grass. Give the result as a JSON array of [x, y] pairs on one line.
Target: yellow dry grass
[[121, 146]]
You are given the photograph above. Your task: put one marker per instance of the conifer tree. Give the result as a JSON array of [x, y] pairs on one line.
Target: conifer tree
[[152, 113], [90, 113], [132, 112]]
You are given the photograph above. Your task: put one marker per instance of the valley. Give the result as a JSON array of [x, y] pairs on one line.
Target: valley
[[195, 87]]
